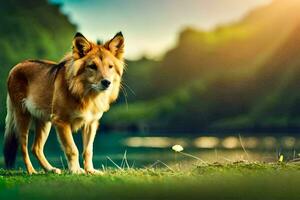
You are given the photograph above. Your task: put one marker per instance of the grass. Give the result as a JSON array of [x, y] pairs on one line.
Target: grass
[[240, 180]]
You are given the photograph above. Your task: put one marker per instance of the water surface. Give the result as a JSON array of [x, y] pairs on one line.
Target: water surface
[[144, 151]]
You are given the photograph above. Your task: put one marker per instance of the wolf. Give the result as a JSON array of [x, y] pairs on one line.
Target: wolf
[[70, 95]]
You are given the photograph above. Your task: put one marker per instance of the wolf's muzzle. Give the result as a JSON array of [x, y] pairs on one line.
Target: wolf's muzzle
[[105, 83]]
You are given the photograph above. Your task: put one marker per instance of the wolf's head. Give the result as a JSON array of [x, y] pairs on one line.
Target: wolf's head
[[96, 68]]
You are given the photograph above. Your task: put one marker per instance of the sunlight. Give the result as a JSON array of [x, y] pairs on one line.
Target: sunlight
[[206, 142], [288, 142], [153, 142], [230, 142]]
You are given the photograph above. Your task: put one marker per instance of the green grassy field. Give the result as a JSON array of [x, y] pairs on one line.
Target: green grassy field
[[214, 181]]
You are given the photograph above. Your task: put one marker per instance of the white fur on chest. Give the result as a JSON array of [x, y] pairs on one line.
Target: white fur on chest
[[93, 111], [88, 116]]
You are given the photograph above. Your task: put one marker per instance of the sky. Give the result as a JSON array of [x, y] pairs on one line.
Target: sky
[[151, 27]]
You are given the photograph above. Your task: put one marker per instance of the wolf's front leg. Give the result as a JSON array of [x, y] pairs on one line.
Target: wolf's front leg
[[88, 137], [65, 135]]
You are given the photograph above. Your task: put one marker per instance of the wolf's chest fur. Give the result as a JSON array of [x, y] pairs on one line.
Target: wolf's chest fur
[[83, 118], [87, 116], [91, 112]]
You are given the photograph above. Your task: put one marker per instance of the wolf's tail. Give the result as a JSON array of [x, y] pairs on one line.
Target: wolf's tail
[[11, 141]]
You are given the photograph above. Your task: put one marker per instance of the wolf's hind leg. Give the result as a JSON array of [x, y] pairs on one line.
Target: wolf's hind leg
[[23, 124], [42, 132]]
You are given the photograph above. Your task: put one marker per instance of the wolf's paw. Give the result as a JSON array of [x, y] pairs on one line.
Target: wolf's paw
[[32, 172], [55, 170], [77, 171], [94, 172]]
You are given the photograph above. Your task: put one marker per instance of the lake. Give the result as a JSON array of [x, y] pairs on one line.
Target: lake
[[146, 150]]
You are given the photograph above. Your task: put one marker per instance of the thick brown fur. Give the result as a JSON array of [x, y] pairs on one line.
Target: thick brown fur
[[70, 95]]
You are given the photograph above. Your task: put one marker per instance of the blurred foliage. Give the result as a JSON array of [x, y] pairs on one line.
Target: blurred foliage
[[31, 29], [242, 75], [249, 77]]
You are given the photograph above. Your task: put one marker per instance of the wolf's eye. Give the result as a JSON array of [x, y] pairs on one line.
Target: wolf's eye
[[92, 66], [110, 66]]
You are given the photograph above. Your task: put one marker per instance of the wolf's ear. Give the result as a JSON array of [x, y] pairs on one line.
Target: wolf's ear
[[81, 45], [116, 45]]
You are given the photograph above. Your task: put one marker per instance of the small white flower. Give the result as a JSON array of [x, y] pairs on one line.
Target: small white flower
[[280, 158], [177, 148]]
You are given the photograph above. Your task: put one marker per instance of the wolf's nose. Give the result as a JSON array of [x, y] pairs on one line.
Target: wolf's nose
[[105, 83]]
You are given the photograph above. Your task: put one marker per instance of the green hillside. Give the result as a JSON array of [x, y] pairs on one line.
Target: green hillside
[[239, 76], [30, 29]]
